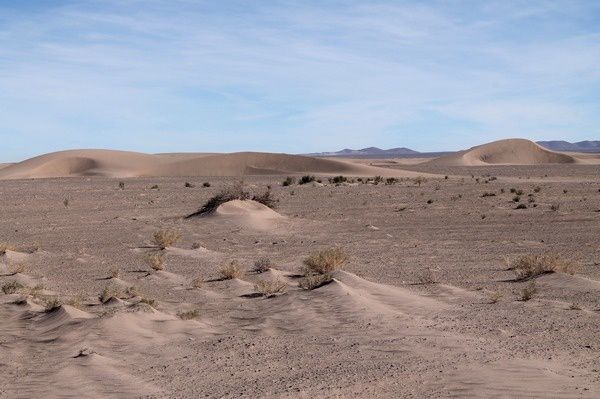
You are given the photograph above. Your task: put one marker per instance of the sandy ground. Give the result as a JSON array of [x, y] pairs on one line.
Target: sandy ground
[[376, 331]]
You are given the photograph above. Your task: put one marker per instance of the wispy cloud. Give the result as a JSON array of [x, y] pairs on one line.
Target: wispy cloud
[[295, 77]]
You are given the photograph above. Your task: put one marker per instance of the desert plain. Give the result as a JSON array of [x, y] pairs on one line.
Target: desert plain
[[108, 290]]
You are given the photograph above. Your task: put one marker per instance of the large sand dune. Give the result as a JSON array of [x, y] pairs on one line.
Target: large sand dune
[[505, 152], [110, 163]]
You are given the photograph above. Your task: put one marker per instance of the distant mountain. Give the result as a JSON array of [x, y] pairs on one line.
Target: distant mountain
[[581, 146], [368, 152]]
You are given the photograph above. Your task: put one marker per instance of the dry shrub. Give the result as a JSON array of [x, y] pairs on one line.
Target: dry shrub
[[189, 315], [325, 261], [528, 292], [235, 192], [148, 301], [531, 266], [269, 288], [262, 265], [231, 270], [12, 287], [495, 296], [109, 292], [266, 199], [197, 282], [314, 281], [115, 272], [419, 180], [156, 261], [5, 246], [165, 238], [426, 277], [52, 303], [196, 245]]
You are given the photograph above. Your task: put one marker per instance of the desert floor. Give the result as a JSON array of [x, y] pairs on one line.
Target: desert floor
[[425, 306]]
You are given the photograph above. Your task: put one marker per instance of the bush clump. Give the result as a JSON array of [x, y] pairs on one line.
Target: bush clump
[[307, 179], [325, 261], [531, 266]]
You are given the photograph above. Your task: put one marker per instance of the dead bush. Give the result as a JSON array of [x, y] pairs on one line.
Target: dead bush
[[528, 292], [165, 238], [325, 261], [235, 192], [314, 281], [231, 270], [269, 288], [156, 261], [531, 266], [189, 315], [262, 265]]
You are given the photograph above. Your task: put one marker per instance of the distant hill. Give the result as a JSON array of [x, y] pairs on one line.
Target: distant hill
[[580, 146], [369, 151]]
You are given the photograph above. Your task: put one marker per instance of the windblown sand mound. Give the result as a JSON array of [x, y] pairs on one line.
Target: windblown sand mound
[[505, 152], [131, 164], [247, 213]]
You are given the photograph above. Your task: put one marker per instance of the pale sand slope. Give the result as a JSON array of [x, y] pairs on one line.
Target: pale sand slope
[[110, 163], [505, 152]]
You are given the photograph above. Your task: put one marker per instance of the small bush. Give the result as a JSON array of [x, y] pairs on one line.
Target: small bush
[[430, 201], [419, 180], [206, 184], [537, 189], [6, 247], [516, 198], [565, 191], [231, 270], [554, 207], [519, 192], [494, 297], [288, 181], [198, 282], [306, 179], [189, 315], [122, 185], [377, 179], [266, 199], [154, 187], [521, 206], [52, 303], [66, 202], [148, 301], [262, 265], [115, 272], [314, 281], [196, 245], [391, 181], [530, 266], [156, 261], [486, 194], [513, 190], [235, 192], [269, 288], [12, 287], [338, 179], [188, 185], [325, 261], [528, 292], [109, 292], [426, 277], [165, 238]]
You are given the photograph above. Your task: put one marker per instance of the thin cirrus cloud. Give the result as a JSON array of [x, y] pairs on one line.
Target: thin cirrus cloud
[[297, 77]]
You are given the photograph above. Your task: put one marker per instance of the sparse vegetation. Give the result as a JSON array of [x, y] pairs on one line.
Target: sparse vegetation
[[325, 261], [188, 185], [198, 282], [537, 189], [391, 181], [235, 192], [488, 194], [426, 277], [165, 238], [269, 288], [189, 315], [495, 297], [554, 207], [52, 303], [266, 199], [206, 184], [306, 179], [338, 179], [12, 287], [110, 291], [196, 245], [122, 185], [262, 265], [156, 261], [148, 301], [288, 181], [521, 206], [516, 198], [530, 266], [115, 272], [430, 201], [314, 281], [528, 292], [154, 187], [66, 202], [419, 180], [231, 270]]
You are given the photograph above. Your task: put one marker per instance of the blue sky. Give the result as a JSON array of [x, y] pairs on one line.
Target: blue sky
[[295, 76]]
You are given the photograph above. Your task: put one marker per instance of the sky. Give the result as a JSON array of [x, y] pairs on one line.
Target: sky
[[294, 76]]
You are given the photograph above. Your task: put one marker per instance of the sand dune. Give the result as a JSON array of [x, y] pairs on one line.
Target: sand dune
[[131, 164], [505, 152]]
